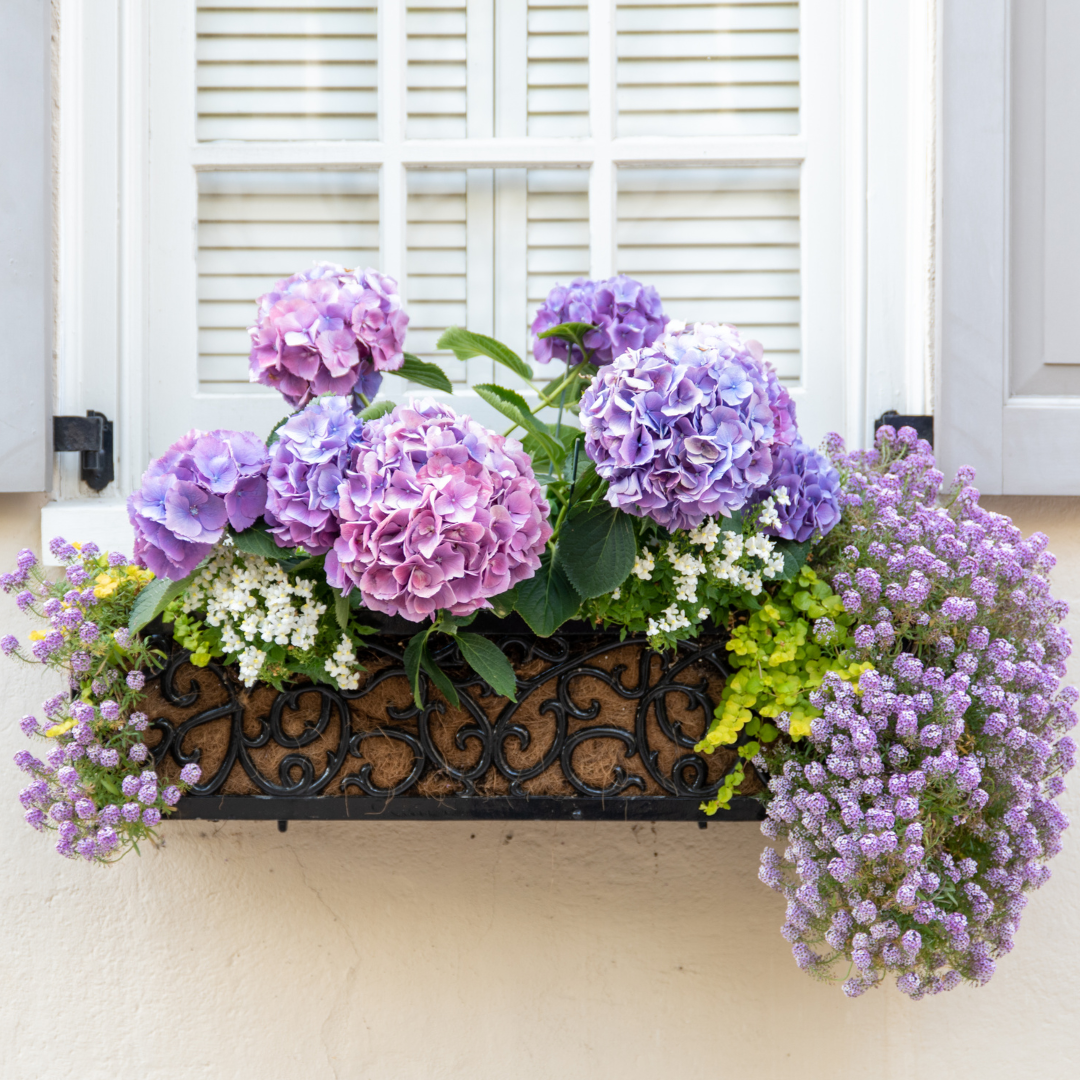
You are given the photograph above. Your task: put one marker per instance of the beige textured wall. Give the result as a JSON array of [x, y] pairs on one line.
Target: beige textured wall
[[481, 951]]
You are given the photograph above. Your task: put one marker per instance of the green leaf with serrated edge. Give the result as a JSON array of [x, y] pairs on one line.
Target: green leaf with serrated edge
[[568, 331], [795, 556], [315, 670], [512, 405], [275, 430], [258, 541], [465, 344], [154, 597], [380, 408], [490, 663], [411, 662], [452, 623], [597, 549], [362, 630], [420, 371], [341, 609], [503, 604], [547, 600], [439, 677]]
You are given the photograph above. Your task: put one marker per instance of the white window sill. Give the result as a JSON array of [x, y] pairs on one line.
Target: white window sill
[[104, 521]]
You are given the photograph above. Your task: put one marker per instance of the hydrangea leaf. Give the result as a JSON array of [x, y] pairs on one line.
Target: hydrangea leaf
[[504, 603], [569, 331], [380, 408], [490, 663], [421, 372], [597, 549], [153, 599], [258, 541], [410, 660], [514, 407], [438, 677], [464, 344], [794, 557], [547, 600], [341, 609]]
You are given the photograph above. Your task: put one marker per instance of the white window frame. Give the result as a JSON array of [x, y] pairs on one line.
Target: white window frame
[[109, 316]]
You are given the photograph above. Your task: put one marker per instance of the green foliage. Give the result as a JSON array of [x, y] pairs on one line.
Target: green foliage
[[680, 580], [778, 664], [380, 408], [514, 407], [153, 599], [490, 663], [464, 344], [597, 549], [424, 374], [258, 541], [547, 600]]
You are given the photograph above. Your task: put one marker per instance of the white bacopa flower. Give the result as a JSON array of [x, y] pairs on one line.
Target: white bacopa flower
[[644, 565]]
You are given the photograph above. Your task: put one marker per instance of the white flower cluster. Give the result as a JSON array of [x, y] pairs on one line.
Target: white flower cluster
[[745, 562], [255, 605], [343, 665]]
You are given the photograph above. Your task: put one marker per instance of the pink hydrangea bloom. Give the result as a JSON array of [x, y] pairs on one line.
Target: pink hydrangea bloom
[[437, 513], [327, 330]]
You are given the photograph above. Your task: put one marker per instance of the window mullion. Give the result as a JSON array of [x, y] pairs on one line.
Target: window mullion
[[392, 178], [602, 125]]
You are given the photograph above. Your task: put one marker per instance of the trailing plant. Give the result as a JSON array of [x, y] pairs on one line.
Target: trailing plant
[[96, 788]]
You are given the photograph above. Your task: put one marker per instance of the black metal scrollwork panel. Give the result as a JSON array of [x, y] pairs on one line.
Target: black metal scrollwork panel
[[556, 717]]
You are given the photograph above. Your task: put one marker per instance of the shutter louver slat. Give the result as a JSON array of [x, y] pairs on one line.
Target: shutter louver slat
[[557, 205], [436, 262], [721, 245], [282, 72], [436, 70], [258, 227], [558, 68], [687, 68]]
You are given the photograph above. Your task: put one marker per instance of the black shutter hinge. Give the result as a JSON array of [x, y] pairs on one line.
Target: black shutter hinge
[[923, 425], [92, 436]]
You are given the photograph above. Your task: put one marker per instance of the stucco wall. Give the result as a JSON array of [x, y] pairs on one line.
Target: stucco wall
[[454, 950]]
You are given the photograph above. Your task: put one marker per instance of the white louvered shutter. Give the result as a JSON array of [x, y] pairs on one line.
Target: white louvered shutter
[[283, 70], [707, 69], [689, 144]]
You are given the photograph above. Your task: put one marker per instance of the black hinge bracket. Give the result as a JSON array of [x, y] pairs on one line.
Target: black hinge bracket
[[923, 425], [92, 436]]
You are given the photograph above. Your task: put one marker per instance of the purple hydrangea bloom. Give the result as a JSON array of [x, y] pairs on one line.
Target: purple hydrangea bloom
[[328, 330], [688, 428], [203, 482], [437, 513], [811, 486], [306, 468], [625, 314]]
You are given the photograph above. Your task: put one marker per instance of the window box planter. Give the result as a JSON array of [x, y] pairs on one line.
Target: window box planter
[[601, 730]]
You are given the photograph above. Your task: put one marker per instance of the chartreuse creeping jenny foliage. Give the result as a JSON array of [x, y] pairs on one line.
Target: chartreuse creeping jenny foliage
[[778, 663], [96, 788]]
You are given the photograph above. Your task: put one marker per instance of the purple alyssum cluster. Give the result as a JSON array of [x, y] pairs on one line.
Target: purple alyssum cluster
[[436, 513], [204, 481], [328, 330], [94, 736], [624, 313], [923, 807], [688, 428], [307, 464]]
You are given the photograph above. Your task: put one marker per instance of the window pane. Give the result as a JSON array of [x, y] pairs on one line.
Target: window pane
[[258, 227], [435, 48], [558, 67], [687, 68], [274, 69], [721, 245]]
